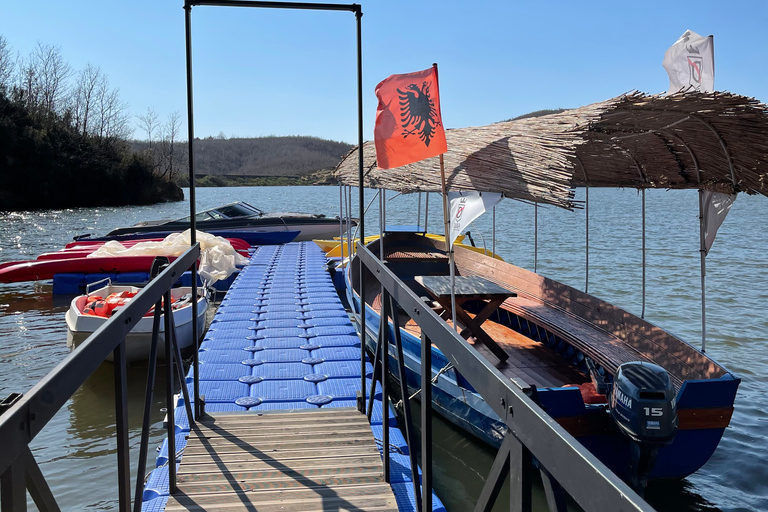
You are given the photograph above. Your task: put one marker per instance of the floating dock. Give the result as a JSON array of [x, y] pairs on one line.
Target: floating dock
[[280, 373]]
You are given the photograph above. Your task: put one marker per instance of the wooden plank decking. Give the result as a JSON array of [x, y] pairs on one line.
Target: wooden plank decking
[[313, 460]]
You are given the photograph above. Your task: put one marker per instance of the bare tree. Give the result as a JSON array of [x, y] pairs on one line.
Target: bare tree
[[7, 66], [51, 73], [83, 96], [27, 80], [112, 118], [171, 157], [148, 123]]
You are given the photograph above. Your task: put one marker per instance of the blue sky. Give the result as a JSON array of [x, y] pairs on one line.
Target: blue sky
[[266, 72]]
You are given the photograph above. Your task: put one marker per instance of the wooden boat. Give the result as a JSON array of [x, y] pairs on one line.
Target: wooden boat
[[241, 216], [549, 332], [80, 324], [333, 248]]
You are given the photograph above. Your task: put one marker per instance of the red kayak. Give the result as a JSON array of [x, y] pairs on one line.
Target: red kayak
[[17, 271]]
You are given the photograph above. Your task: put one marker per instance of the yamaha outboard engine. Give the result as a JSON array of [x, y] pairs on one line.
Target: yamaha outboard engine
[[642, 403]]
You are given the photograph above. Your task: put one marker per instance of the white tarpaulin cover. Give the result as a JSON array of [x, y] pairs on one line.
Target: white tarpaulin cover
[[218, 258], [467, 206], [690, 63]]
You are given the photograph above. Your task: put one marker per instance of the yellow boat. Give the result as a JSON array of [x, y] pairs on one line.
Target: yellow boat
[[333, 247]]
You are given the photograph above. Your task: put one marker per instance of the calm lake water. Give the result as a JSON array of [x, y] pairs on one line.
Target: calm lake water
[[76, 451]]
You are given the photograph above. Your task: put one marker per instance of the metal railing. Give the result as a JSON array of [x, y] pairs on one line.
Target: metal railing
[[28, 414], [565, 465]]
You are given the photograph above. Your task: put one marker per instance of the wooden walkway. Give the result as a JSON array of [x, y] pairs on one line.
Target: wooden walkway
[[308, 460]]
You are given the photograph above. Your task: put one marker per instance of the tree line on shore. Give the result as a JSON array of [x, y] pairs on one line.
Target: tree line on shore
[[64, 138]]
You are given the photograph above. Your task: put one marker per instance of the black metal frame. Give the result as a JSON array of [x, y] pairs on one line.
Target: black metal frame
[[22, 421], [566, 466], [357, 10]]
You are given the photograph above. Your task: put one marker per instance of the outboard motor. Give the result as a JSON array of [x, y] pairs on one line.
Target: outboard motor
[[642, 403]]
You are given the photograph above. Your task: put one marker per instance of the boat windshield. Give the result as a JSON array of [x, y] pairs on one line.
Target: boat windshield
[[228, 211]]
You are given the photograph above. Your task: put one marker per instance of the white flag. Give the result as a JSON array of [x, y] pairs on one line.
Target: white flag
[[690, 63], [716, 207], [467, 206]]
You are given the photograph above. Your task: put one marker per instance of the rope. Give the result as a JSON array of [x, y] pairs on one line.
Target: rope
[[449, 366], [392, 448]]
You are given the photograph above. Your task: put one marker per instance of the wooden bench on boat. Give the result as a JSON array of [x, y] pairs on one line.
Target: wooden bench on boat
[[606, 333]]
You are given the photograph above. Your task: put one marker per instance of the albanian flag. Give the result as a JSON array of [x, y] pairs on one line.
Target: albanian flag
[[409, 126]]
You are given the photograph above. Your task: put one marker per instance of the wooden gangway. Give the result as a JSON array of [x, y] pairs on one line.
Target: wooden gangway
[[307, 460]]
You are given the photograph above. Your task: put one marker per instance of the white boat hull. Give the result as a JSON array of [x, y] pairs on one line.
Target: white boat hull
[[138, 341]]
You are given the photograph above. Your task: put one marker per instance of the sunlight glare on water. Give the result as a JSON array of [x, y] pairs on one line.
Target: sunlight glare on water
[[76, 451]]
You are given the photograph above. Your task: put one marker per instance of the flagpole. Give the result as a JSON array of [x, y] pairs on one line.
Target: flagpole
[[448, 244], [703, 252]]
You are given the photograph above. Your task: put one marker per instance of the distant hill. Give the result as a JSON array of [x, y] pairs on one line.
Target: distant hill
[[263, 156]]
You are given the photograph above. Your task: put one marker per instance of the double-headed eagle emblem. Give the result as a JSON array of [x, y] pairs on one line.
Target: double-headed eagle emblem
[[418, 114]]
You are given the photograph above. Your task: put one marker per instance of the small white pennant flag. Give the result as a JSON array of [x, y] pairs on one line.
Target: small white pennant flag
[[466, 207]]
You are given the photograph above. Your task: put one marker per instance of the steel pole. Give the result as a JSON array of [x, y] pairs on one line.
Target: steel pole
[[642, 313], [361, 190], [192, 204]]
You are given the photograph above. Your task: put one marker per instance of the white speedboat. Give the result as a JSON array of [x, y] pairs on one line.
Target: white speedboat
[[90, 311]]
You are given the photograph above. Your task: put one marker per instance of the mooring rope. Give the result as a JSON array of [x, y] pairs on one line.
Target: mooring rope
[[449, 366]]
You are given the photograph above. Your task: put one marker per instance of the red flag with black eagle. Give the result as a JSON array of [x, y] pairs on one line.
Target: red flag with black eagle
[[409, 126]]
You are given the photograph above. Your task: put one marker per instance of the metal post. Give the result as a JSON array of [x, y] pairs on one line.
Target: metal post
[[418, 213], [192, 202], [535, 236], [493, 246], [350, 248], [148, 403], [520, 477], [13, 489], [586, 249], [703, 252], [121, 428], [341, 218], [426, 213], [171, 426], [381, 224], [642, 313], [361, 189], [426, 424], [410, 438], [384, 342], [37, 486]]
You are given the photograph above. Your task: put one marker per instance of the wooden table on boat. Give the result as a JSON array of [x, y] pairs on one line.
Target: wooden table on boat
[[469, 288]]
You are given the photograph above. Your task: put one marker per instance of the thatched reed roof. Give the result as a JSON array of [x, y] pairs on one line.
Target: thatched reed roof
[[713, 141]]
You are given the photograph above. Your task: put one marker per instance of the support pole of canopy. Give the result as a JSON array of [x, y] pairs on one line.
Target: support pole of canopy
[[418, 213], [426, 213], [381, 224], [586, 223], [350, 248], [535, 237], [493, 245], [586, 248], [642, 314], [342, 216], [448, 244]]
